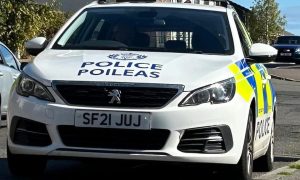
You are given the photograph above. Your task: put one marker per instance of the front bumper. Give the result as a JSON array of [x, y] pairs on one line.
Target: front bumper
[[176, 120]]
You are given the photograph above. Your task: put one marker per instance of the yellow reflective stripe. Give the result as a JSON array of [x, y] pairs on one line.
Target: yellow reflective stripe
[[259, 88], [269, 93], [270, 97], [243, 87]]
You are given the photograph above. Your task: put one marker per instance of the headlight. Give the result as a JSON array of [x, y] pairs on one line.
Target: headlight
[[217, 93], [29, 87], [297, 51]]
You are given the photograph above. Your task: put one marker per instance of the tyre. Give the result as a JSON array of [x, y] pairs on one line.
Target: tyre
[[265, 163], [0, 114], [26, 165], [243, 170]]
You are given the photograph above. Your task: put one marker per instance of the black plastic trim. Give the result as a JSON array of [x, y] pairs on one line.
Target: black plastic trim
[[112, 152]]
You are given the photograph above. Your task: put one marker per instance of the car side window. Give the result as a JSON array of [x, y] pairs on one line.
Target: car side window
[[8, 58], [244, 35]]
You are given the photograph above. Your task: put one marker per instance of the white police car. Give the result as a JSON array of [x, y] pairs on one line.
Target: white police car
[[145, 81]]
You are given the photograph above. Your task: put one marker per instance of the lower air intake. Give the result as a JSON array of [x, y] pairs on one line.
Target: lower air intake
[[29, 133], [212, 140], [153, 139]]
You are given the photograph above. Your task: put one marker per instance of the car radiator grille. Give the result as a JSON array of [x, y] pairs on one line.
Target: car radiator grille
[[133, 96], [286, 50]]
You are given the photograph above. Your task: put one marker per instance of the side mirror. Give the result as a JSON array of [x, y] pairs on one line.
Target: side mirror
[[36, 45], [23, 64], [13, 67], [263, 53]]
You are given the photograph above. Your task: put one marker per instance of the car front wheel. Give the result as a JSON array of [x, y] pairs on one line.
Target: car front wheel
[[0, 114], [243, 170]]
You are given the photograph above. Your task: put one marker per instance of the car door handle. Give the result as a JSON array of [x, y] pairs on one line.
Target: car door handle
[[1, 74], [265, 81]]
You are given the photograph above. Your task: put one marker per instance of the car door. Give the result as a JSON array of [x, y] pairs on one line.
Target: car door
[[262, 90], [3, 75], [9, 72]]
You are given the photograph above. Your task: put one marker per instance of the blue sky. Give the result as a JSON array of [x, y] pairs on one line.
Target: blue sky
[[289, 8]]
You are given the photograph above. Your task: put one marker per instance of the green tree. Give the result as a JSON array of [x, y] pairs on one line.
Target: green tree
[[21, 20], [266, 22]]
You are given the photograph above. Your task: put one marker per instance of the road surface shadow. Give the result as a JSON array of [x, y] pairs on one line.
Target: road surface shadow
[[276, 65], [69, 169]]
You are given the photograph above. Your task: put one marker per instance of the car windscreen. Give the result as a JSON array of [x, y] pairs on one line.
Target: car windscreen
[[288, 40], [149, 29]]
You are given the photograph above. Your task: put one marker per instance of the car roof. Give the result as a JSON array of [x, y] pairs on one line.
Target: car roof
[[159, 4]]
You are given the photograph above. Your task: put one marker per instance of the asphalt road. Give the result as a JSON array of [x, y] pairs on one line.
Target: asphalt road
[[287, 144], [288, 121]]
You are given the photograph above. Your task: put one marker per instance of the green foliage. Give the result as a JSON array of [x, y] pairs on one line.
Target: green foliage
[[266, 22], [21, 20], [285, 173], [295, 166]]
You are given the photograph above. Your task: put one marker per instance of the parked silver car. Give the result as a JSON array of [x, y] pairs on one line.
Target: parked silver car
[[9, 71]]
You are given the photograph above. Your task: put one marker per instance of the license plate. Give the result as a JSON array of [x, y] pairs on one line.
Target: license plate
[[285, 54], [112, 119]]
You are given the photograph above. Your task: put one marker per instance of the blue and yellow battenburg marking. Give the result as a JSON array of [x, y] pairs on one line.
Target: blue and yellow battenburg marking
[[251, 80]]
